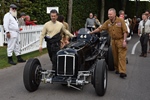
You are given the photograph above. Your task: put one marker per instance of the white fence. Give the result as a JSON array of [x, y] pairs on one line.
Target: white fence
[[29, 38], [2, 39]]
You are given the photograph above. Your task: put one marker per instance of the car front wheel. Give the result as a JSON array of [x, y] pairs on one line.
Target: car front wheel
[[100, 77], [32, 75]]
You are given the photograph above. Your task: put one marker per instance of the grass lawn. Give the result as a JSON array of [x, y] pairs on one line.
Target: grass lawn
[[4, 60]]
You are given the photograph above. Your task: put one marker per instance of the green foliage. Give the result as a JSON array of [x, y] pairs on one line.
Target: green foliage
[[81, 9], [141, 8]]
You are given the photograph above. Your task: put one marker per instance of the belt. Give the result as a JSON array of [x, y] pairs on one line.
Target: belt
[[117, 38]]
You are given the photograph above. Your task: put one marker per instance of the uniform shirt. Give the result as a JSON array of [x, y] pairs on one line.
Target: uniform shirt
[[66, 25], [116, 30], [11, 25], [50, 29], [147, 26], [97, 22], [21, 22]]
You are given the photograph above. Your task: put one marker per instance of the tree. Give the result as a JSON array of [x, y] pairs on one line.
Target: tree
[[102, 11], [70, 3], [124, 2]]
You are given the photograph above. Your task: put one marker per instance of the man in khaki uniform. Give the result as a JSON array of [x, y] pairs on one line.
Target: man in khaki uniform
[[52, 34], [118, 31]]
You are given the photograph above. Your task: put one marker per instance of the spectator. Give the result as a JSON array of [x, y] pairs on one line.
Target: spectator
[[148, 14], [134, 24], [52, 34], [12, 32], [65, 38], [90, 22], [124, 16], [121, 13], [97, 24], [28, 21], [21, 19], [117, 30], [144, 30]]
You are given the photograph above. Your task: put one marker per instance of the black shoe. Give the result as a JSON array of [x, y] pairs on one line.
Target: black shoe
[[117, 72], [145, 55], [53, 69], [10, 61], [123, 75], [20, 59], [141, 55]]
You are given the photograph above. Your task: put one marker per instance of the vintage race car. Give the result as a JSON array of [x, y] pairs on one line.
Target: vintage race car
[[83, 61]]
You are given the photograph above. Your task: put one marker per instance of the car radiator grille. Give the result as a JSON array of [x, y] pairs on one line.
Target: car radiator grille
[[66, 65]]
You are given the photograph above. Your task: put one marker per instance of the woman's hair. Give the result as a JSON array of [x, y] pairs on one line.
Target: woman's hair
[[60, 18], [27, 17]]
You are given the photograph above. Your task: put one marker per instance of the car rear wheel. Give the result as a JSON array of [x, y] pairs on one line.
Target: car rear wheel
[[32, 74], [100, 77], [109, 59]]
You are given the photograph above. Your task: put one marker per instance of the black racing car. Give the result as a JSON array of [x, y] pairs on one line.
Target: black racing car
[[83, 61]]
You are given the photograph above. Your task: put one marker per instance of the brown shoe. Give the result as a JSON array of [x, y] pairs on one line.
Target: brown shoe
[[141, 55], [149, 51], [145, 55]]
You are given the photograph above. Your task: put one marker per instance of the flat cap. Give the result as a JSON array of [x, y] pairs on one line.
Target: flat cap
[[22, 14], [13, 6]]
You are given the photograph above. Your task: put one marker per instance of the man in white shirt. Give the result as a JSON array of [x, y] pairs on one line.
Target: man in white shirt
[[12, 32], [148, 17], [144, 32]]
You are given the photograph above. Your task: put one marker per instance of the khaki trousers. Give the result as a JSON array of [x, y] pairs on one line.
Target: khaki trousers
[[119, 54]]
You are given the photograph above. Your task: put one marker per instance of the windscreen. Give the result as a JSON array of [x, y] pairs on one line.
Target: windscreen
[[83, 31]]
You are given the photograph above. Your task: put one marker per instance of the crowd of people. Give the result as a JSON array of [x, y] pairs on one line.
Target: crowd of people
[[56, 34], [120, 29], [25, 20]]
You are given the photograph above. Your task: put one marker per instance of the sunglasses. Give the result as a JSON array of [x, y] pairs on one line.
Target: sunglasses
[[14, 8]]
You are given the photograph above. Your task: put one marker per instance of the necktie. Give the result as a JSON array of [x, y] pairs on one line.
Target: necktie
[[143, 30]]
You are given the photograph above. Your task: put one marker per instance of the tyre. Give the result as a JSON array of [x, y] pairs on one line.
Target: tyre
[[100, 77], [31, 75], [108, 41], [92, 79], [109, 59]]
